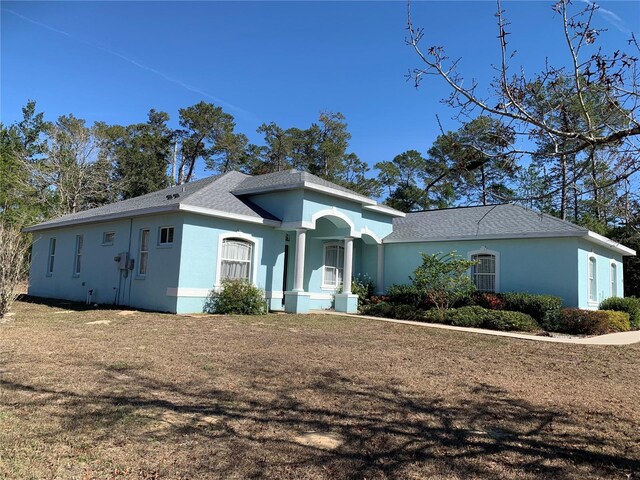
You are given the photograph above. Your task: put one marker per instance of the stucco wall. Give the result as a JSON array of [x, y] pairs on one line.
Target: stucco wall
[[199, 259], [604, 259], [100, 272], [544, 266]]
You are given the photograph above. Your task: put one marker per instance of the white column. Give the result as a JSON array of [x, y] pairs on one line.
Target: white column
[[380, 270], [301, 238], [348, 265]]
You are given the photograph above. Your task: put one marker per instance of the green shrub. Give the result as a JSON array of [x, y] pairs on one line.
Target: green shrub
[[479, 317], [465, 316], [380, 309], [363, 286], [402, 294], [237, 297], [507, 321], [631, 305], [592, 322], [388, 310], [492, 301], [545, 309], [408, 312], [444, 278]]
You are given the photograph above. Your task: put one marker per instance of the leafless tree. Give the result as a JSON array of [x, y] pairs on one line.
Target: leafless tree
[[564, 111], [14, 246]]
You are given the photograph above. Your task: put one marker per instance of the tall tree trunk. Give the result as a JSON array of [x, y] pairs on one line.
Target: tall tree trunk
[[563, 187], [483, 180]]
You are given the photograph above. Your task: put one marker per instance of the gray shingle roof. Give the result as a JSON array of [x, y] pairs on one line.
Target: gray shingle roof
[[466, 223], [212, 193], [287, 180]]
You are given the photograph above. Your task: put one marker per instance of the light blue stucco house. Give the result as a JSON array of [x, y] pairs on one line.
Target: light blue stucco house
[[301, 239]]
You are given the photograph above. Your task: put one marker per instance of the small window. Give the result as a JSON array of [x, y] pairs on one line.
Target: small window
[[144, 252], [52, 255], [235, 259], [77, 264], [333, 265], [592, 279], [614, 280], [166, 236], [484, 272], [108, 238]]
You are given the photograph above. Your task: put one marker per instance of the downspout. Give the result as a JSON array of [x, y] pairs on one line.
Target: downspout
[[129, 252]]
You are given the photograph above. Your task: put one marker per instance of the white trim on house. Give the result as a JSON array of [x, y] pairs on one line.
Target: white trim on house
[[592, 286], [366, 231], [188, 292], [385, 210], [102, 218], [613, 278], [334, 212], [589, 236], [232, 216], [606, 242], [496, 255], [254, 254], [338, 245]]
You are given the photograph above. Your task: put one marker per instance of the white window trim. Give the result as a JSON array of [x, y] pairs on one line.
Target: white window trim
[[254, 254], [594, 301], [52, 253], [104, 234], [325, 286], [78, 253], [613, 286], [485, 251], [165, 244], [140, 252]]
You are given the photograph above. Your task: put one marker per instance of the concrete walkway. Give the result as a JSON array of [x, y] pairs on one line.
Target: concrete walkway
[[622, 338]]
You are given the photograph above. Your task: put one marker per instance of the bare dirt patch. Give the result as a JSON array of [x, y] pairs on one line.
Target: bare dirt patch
[[286, 396]]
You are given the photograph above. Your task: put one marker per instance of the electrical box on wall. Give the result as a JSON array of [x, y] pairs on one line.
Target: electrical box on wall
[[123, 261]]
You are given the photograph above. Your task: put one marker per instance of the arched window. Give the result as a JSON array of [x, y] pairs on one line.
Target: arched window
[[485, 273], [235, 259], [333, 265], [593, 280], [614, 280]]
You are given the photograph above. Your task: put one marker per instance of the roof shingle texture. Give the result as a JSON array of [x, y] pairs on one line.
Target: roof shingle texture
[[212, 193], [285, 180], [484, 221]]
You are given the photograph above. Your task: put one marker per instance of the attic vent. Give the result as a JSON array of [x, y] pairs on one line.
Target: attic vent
[[169, 197], [176, 195]]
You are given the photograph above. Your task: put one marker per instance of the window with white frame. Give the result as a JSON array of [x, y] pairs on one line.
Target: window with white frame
[[483, 273], [333, 265], [108, 237], [593, 280], [614, 280], [165, 236], [77, 263], [52, 255], [144, 252], [235, 259]]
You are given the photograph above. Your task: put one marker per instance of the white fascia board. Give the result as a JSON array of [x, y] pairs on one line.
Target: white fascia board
[[339, 193], [103, 218], [487, 237], [231, 216], [309, 186], [385, 210], [607, 242]]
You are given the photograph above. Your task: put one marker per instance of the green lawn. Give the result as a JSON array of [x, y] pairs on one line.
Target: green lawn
[[283, 396]]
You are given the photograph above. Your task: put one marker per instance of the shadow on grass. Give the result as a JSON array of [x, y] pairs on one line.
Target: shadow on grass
[[386, 431]]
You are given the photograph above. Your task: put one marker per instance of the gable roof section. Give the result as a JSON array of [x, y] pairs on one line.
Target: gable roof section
[[505, 221], [209, 196]]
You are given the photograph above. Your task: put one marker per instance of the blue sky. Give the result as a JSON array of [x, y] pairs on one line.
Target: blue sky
[[267, 61]]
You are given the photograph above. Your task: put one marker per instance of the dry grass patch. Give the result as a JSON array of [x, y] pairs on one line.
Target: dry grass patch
[[283, 396]]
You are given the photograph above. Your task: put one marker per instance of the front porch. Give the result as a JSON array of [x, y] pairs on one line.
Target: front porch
[[321, 261]]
